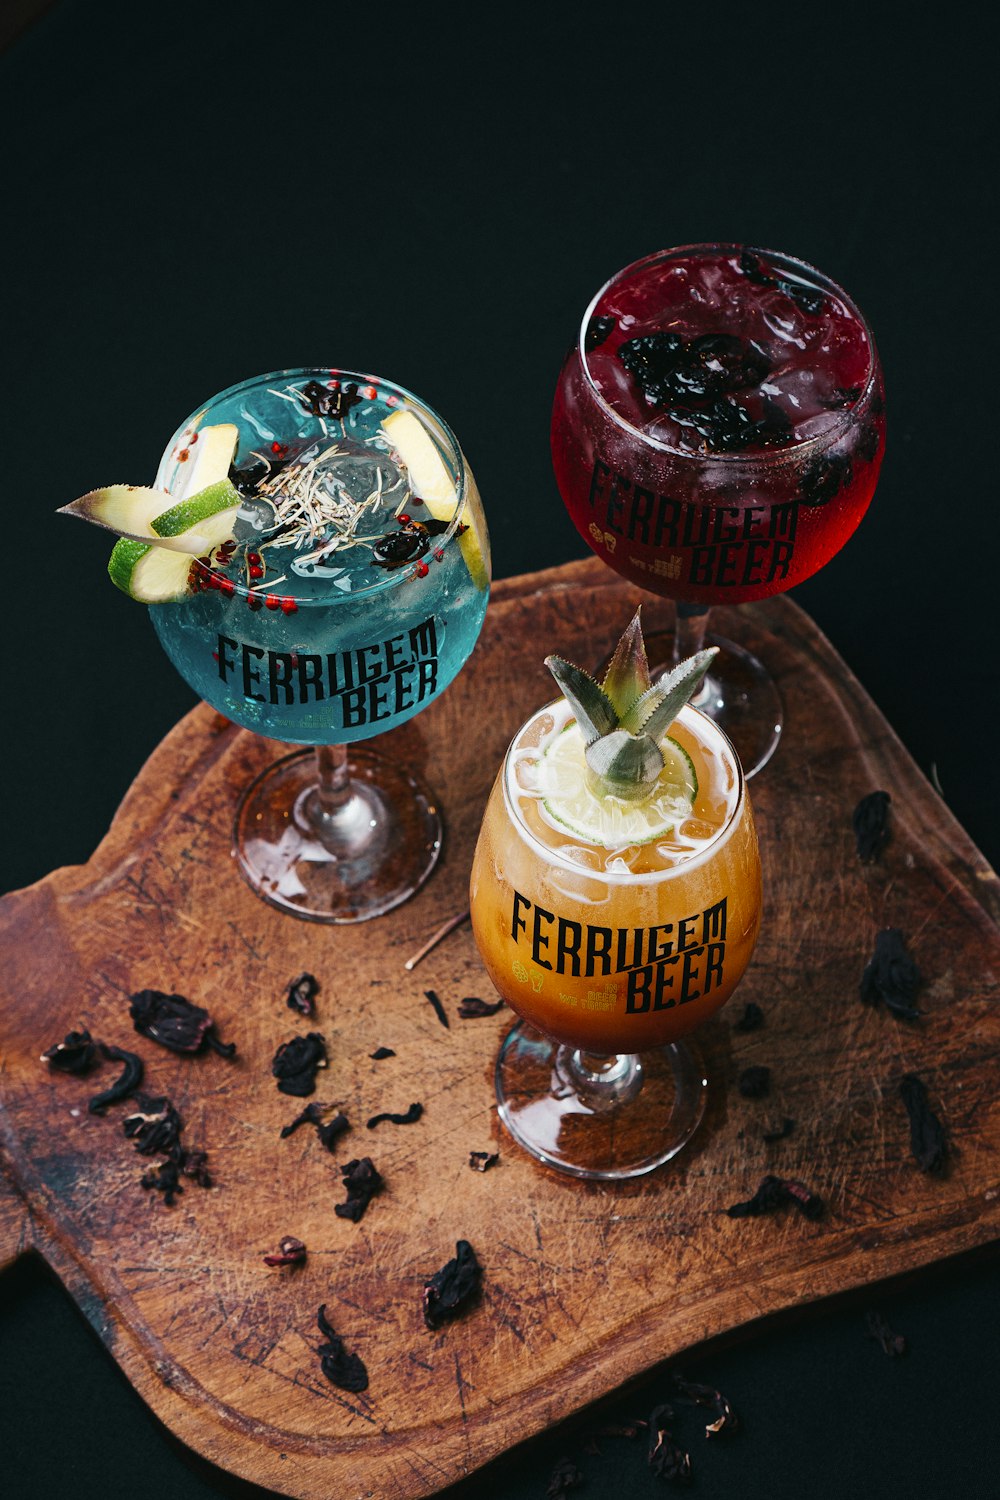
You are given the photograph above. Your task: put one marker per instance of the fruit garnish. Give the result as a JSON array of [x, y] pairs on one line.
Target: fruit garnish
[[616, 776], [151, 574], [210, 455], [430, 481]]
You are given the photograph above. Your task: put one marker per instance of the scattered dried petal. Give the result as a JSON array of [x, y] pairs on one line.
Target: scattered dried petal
[[194, 1164], [381, 1053], [565, 1476], [481, 1161], [333, 1129], [311, 1115], [362, 1182], [927, 1137], [724, 1419], [302, 994], [752, 1018], [870, 821], [471, 1008], [666, 1459], [291, 1252], [76, 1053], [893, 1344], [779, 1132], [175, 1023], [155, 1126], [439, 1009], [411, 1117], [165, 1179], [124, 1085], [892, 976], [775, 1193], [342, 1369], [755, 1082], [453, 1287], [296, 1062]]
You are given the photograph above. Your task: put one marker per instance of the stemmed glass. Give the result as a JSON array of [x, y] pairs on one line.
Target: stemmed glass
[[717, 434], [353, 595], [611, 956]]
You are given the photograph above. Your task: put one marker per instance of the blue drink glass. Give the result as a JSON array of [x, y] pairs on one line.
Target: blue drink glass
[[326, 646]]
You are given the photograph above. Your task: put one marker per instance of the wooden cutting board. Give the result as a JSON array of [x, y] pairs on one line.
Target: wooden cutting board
[[585, 1285]]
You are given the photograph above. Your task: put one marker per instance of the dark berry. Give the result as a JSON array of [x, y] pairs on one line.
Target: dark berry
[[822, 479], [598, 330]]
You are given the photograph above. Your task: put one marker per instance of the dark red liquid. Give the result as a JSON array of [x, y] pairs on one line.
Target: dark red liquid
[[733, 450]]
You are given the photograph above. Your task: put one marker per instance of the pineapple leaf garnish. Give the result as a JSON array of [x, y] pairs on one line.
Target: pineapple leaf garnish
[[624, 718], [592, 708], [657, 709], [627, 677]]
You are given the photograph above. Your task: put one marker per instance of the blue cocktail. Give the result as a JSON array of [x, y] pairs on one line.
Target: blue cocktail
[[347, 599]]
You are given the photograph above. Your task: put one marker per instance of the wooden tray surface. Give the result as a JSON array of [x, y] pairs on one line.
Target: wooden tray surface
[[585, 1285]]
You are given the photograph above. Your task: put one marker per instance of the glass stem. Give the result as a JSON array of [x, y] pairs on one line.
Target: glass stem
[[334, 780], [600, 1081], [689, 637]]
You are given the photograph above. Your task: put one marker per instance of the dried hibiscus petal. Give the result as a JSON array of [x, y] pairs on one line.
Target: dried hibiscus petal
[[76, 1053], [362, 1181], [666, 1459], [755, 1082], [892, 976], [342, 1369], [411, 1117], [453, 1287], [311, 1115], [471, 1008], [481, 1161], [565, 1476], [381, 1053], [165, 1179], [175, 1023], [194, 1164], [334, 1128], [752, 1018], [775, 1193], [302, 994], [439, 1009], [155, 1126], [927, 1136], [128, 1081], [291, 1252], [724, 1419], [870, 821], [296, 1062]]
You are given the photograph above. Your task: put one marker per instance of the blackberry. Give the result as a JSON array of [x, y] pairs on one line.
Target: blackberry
[[824, 477], [598, 329]]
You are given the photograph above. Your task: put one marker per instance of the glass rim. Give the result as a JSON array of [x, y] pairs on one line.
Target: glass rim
[[766, 458], [617, 877], [390, 578]]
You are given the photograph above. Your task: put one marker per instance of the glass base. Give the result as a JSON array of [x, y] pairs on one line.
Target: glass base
[[374, 851], [739, 695], [659, 1102]]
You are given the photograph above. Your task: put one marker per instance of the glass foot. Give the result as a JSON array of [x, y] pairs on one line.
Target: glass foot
[[739, 694], [376, 847], [552, 1113]]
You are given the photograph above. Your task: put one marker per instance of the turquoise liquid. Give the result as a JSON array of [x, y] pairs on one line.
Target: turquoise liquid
[[342, 650]]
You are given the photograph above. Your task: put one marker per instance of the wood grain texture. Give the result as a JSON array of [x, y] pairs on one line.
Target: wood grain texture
[[585, 1285]]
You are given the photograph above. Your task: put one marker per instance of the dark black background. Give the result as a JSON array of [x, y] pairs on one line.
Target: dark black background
[[195, 193]]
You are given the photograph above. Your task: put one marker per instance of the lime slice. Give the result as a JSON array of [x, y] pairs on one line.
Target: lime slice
[[152, 574], [610, 821], [431, 482], [205, 519]]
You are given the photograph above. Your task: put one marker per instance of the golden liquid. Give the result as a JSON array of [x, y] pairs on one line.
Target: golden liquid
[[617, 950]]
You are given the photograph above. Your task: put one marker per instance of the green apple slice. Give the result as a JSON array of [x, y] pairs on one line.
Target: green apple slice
[[210, 453], [144, 571], [431, 482]]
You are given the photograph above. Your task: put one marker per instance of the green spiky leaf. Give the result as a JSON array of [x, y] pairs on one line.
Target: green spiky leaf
[[592, 708], [657, 709], [627, 677], [625, 764]]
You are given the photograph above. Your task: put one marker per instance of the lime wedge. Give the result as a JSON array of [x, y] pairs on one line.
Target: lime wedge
[[152, 574], [431, 482], [610, 821], [205, 519]]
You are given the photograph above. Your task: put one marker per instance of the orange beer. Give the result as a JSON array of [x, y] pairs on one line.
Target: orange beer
[[621, 948]]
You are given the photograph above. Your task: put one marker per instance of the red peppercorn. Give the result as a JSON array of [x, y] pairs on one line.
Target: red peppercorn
[[183, 456], [334, 385], [271, 600], [422, 570], [256, 572], [193, 438], [438, 555], [403, 519], [255, 600], [415, 500], [253, 557], [370, 392], [289, 606], [392, 400]]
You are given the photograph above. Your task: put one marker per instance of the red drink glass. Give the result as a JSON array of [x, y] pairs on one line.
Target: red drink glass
[[717, 435]]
